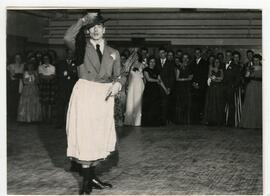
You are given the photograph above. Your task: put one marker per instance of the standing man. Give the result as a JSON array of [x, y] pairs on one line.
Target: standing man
[[165, 69], [90, 127], [231, 83], [66, 72], [199, 69]]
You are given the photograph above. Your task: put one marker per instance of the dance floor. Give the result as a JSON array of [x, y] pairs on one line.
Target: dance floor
[[165, 160]]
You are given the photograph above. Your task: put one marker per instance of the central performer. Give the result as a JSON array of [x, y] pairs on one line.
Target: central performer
[[90, 127]]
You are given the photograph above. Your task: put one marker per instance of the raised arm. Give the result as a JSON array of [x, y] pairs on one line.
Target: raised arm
[[71, 33]]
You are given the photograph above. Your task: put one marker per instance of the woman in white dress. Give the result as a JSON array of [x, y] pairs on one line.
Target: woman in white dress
[[134, 94]]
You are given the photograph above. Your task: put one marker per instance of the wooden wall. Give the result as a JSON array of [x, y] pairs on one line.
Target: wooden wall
[[202, 27], [173, 28]]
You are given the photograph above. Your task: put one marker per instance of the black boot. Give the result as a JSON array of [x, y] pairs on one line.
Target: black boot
[[96, 182], [86, 186]]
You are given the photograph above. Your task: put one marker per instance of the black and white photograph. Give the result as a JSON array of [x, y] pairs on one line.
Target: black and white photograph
[[134, 101]]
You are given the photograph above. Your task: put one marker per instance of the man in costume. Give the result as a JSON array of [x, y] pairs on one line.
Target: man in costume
[[90, 118]]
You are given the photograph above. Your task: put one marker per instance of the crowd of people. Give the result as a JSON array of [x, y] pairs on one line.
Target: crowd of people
[[182, 88], [221, 89]]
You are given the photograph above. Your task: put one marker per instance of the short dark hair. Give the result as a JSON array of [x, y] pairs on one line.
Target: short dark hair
[[257, 56], [228, 51], [171, 51], [248, 51], [152, 57], [162, 48], [144, 48], [198, 49], [236, 53]]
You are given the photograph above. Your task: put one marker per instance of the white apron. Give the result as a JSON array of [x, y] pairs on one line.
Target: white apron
[[90, 122]]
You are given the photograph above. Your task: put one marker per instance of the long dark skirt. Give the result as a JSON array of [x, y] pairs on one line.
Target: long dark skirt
[[214, 105], [151, 113], [12, 98], [182, 103]]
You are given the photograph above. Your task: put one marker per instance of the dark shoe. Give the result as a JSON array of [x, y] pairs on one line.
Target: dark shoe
[[96, 185], [103, 184]]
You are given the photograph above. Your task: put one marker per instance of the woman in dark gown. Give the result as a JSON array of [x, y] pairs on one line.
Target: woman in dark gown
[[183, 92], [214, 105], [252, 108], [14, 86], [151, 95]]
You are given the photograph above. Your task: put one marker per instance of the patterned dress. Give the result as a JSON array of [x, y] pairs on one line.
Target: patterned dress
[[29, 109]]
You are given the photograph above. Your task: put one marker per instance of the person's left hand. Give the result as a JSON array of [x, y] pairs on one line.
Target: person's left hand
[[114, 89]]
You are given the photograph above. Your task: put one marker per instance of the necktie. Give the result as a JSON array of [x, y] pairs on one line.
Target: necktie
[[99, 52]]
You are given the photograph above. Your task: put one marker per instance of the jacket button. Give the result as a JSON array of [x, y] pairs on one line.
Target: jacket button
[[88, 71]]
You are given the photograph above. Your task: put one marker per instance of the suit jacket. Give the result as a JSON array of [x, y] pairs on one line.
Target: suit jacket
[[66, 73], [108, 70], [167, 73], [232, 75], [200, 73]]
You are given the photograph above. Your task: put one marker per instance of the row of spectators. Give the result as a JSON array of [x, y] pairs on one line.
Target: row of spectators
[[171, 87]]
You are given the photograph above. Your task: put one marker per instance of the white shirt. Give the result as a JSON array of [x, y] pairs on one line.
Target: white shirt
[[163, 61], [100, 42], [46, 70], [228, 64], [198, 60]]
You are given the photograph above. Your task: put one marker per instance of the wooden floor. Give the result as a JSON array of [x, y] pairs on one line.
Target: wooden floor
[[167, 160]]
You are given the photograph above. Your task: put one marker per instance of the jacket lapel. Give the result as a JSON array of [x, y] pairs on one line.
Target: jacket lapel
[[106, 60], [93, 56]]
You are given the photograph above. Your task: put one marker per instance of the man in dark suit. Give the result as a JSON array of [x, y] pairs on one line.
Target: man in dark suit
[[231, 81], [199, 68], [166, 70], [67, 76]]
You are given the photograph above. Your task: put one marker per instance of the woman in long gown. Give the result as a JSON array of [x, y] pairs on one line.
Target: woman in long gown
[[133, 112], [14, 86], [214, 105], [252, 108], [151, 96], [183, 92], [29, 109]]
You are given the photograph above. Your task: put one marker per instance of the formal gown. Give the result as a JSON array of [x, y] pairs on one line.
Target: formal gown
[[151, 111], [214, 105], [14, 86], [29, 109], [183, 97], [252, 108], [133, 112]]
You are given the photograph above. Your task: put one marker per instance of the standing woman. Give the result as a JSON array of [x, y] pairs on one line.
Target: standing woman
[[151, 95], [252, 108], [29, 106], [134, 94], [214, 105], [14, 86], [183, 92], [47, 87], [91, 135]]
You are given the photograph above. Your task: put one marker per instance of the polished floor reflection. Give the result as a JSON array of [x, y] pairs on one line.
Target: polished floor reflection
[[166, 160]]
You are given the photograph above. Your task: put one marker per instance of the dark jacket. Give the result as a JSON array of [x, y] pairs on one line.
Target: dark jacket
[[167, 73]]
